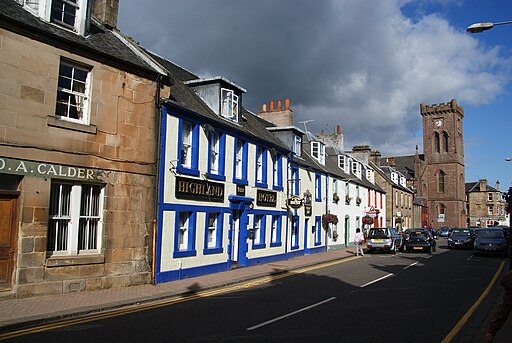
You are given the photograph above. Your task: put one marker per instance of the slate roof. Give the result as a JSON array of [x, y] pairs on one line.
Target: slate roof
[[475, 187], [403, 164], [100, 44], [384, 171]]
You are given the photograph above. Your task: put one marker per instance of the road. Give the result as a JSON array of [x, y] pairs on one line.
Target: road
[[408, 297]]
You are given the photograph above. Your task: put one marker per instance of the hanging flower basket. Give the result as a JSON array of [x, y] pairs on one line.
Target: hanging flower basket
[[347, 199], [358, 201], [367, 220], [335, 197], [329, 219]]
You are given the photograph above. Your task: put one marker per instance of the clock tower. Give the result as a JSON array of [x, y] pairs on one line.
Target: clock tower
[[441, 178]]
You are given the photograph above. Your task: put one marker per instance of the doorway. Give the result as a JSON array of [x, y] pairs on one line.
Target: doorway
[[8, 220]]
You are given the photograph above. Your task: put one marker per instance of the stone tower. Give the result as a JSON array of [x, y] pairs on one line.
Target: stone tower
[[442, 179]]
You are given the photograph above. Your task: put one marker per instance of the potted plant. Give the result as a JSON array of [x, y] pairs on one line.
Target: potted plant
[[334, 235], [358, 201], [329, 218], [347, 199], [367, 220], [335, 198]]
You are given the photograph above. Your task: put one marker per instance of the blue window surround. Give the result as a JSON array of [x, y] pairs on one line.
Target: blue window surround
[[295, 178], [295, 228], [261, 244], [218, 234], [318, 187], [264, 171], [193, 170], [278, 183], [318, 230], [222, 157], [279, 223], [243, 180], [191, 239]]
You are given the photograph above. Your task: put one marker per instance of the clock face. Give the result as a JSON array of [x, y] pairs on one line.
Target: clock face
[[438, 123]]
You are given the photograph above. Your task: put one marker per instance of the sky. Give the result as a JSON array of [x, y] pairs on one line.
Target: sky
[[366, 65]]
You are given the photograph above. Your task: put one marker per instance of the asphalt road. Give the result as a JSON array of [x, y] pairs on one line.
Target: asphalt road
[[408, 297]]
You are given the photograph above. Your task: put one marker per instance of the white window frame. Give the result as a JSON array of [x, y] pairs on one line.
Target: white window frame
[[80, 99], [489, 210], [489, 196], [214, 152], [341, 162], [186, 144], [318, 151], [78, 219], [273, 228], [211, 236], [183, 227], [239, 159], [229, 104], [257, 228], [297, 145], [259, 164]]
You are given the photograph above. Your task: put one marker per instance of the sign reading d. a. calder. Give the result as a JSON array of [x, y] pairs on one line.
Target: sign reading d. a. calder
[[50, 170], [199, 190]]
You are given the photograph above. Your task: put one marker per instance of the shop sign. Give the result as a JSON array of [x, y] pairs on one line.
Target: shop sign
[[240, 190], [294, 201], [199, 190], [307, 210], [266, 198], [50, 170]]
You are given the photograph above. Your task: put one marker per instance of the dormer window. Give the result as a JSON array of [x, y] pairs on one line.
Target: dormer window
[[341, 161], [69, 14], [229, 104], [394, 177], [356, 169], [318, 151], [297, 145], [64, 12]]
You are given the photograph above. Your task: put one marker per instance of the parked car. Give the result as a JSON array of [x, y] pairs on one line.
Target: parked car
[[461, 238], [490, 241], [420, 240], [383, 239], [444, 232]]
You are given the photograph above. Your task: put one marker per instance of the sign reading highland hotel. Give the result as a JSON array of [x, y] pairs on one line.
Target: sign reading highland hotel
[[266, 198], [50, 170], [199, 190]]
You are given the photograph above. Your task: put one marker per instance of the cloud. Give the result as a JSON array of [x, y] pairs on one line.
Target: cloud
[[358, 63]]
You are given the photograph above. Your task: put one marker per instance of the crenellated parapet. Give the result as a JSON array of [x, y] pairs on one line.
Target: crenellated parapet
[[441, 108]]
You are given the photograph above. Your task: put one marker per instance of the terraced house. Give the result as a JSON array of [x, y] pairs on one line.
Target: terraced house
[[78, 149]]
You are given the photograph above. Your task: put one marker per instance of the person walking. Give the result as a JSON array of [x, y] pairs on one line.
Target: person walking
[[359, 240], [503, 310]]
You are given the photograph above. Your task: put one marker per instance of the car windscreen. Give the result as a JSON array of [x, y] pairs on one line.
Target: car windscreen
[[378, 233], [417, 236], [490, 233], [461, 232]]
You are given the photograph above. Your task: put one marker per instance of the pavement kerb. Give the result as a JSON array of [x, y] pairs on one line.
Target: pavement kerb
[[30, 321]]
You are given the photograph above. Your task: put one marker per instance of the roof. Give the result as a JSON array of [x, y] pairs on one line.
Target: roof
[[475, 187], [383, 172], [403, 164], [101, 44]]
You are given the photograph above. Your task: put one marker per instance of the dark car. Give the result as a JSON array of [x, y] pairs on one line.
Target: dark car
[[490, 241], [383, 239], [444, 232], [461, 238], [420, 240]]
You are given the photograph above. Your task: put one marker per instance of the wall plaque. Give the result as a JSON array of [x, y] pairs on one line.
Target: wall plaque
[[266, 198]]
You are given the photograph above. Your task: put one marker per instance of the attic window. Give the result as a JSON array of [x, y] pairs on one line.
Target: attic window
[[229, 105], [318, 151], [341, 161], [64, 13]]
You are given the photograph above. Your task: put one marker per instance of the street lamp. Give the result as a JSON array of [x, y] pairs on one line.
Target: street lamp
[[479, 27]]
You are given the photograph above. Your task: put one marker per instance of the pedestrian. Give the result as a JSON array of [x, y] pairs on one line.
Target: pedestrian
[[503, 310], [359, 240]]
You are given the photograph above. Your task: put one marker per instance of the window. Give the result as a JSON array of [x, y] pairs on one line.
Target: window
[[441, 209], [445, 141], [184, 239], [318, 187], [216, 155], [72, 93], [318, 151], [297, 145], [437, 147], [341, 161], [188, 147], [318, 230], [31, 4], [295, 233], [259, 231], [335, 186], [64, 12], [229, 105], [240, 165], [440, 181], [489, 196], [275, 234], [277, 172], [294, 182], [213, 233], [75, 219], [261, 167], [489, 210]]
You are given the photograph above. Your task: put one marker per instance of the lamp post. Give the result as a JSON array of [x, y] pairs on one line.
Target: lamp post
[[479, 27]]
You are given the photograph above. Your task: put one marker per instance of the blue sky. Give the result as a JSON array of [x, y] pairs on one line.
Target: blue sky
[[363, 64]]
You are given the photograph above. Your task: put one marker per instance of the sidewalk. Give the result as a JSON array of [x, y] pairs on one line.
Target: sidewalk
[[20, 313]]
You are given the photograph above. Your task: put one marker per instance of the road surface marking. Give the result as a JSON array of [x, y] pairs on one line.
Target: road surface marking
[[472, 309], [413, 264], [290, 314], [377, 280]]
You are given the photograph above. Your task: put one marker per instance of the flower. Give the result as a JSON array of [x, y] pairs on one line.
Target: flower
[[329, 218], [347, 199], [367, 220], [334, 235]]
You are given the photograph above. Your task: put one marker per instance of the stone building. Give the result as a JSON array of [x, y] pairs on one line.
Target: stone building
[[485, 204], [78, 149]]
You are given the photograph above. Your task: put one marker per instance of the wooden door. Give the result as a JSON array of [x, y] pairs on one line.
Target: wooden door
[[8, 203]]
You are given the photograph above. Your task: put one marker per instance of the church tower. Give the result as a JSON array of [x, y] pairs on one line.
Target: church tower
[[442, 179]]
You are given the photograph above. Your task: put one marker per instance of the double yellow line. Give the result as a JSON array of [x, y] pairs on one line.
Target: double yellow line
[[162, 303]]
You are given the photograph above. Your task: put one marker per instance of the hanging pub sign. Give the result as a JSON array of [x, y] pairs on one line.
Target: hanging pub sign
[[199, 190], [266, 198], [294, 202], [307, 210], [240, 190]]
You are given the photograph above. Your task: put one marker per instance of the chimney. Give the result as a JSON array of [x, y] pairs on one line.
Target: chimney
[[390, 161], [278, 116], [483, 185], [375, 157], [498, 185], [106, 11], [338, 129]]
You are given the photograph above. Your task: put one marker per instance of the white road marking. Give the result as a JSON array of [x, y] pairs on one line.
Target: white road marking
[[377, 280], [290, 314], [413, 264]]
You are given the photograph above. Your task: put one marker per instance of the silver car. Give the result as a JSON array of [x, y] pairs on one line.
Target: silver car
[[383, 239]]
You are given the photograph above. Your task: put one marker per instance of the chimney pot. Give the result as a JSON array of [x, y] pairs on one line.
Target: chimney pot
[[338, 129], [271, 105], [279, 104], [264, 108], [286, 104]]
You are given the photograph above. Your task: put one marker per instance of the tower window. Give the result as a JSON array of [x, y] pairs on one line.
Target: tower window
[[440, 181], [437, 143], [445, 141]]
